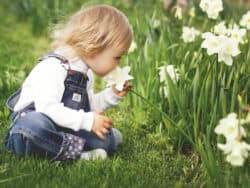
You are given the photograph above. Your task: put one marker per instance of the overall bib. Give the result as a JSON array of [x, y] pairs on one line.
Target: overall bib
[[34, 133]]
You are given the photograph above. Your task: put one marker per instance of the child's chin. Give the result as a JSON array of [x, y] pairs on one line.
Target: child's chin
[[102, 75]]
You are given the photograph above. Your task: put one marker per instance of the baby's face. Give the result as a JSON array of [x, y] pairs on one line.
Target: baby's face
[[105, 61]]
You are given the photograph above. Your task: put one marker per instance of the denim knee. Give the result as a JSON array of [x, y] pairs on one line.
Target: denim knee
[[93, 141], [21, 145], [34, 133]]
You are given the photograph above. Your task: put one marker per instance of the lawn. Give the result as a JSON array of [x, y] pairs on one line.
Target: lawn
[[169, 140]]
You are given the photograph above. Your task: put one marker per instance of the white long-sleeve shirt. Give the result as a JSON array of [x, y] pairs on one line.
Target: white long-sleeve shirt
[[45, 87]]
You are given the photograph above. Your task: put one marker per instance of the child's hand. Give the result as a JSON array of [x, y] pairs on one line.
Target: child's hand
[[101, 126], [126, 87]]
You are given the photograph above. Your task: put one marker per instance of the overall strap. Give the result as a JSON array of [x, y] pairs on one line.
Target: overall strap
[[52, 54], [13, 99], [63, 60]]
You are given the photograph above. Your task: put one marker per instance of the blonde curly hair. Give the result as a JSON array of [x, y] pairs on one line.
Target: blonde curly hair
[[91, 30]]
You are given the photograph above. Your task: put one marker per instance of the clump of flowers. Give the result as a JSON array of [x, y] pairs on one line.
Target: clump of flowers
[[189, 34], [173, 74], [211, 7], [233, 31], [118, 77], [225, 47], [224, 41], [235, 149]]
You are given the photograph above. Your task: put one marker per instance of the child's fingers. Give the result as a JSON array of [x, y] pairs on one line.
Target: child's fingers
[[127, 86], [105, 131]]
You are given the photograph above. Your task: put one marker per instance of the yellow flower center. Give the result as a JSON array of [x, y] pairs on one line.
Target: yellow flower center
[[230, 129], [236, 36], [214, 44]]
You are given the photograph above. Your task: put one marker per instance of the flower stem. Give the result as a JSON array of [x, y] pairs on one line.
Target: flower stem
[[240, 114]]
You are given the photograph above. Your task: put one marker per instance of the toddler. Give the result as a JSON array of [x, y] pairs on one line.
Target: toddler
[[55, 113]]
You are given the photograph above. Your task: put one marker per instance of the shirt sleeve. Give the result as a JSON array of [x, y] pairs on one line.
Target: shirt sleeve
[[48, 92], [102, 100]]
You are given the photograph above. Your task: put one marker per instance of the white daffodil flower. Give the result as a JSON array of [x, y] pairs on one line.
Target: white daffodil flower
[[118, 77], [173, 74], [156, 23], [211, 7], [237, 34], [236, 151], [229, 127], [211, 43], [212, 14], [214, 9], [132, 47], [189, 34], [216, 5], [220, 29], [191, 12], [245, 20], [170, 70], [204, 4], [228, 49], [238, 154], [178, 12]]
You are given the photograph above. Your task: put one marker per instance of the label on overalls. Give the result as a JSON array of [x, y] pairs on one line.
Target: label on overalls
[[76, 97]]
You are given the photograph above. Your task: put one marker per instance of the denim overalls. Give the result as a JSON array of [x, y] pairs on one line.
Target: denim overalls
[[34, 133]]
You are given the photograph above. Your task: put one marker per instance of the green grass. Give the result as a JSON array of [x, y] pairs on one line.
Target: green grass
[[168, 142]]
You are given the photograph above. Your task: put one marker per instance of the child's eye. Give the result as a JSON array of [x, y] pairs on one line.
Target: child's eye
[[118, 58]]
